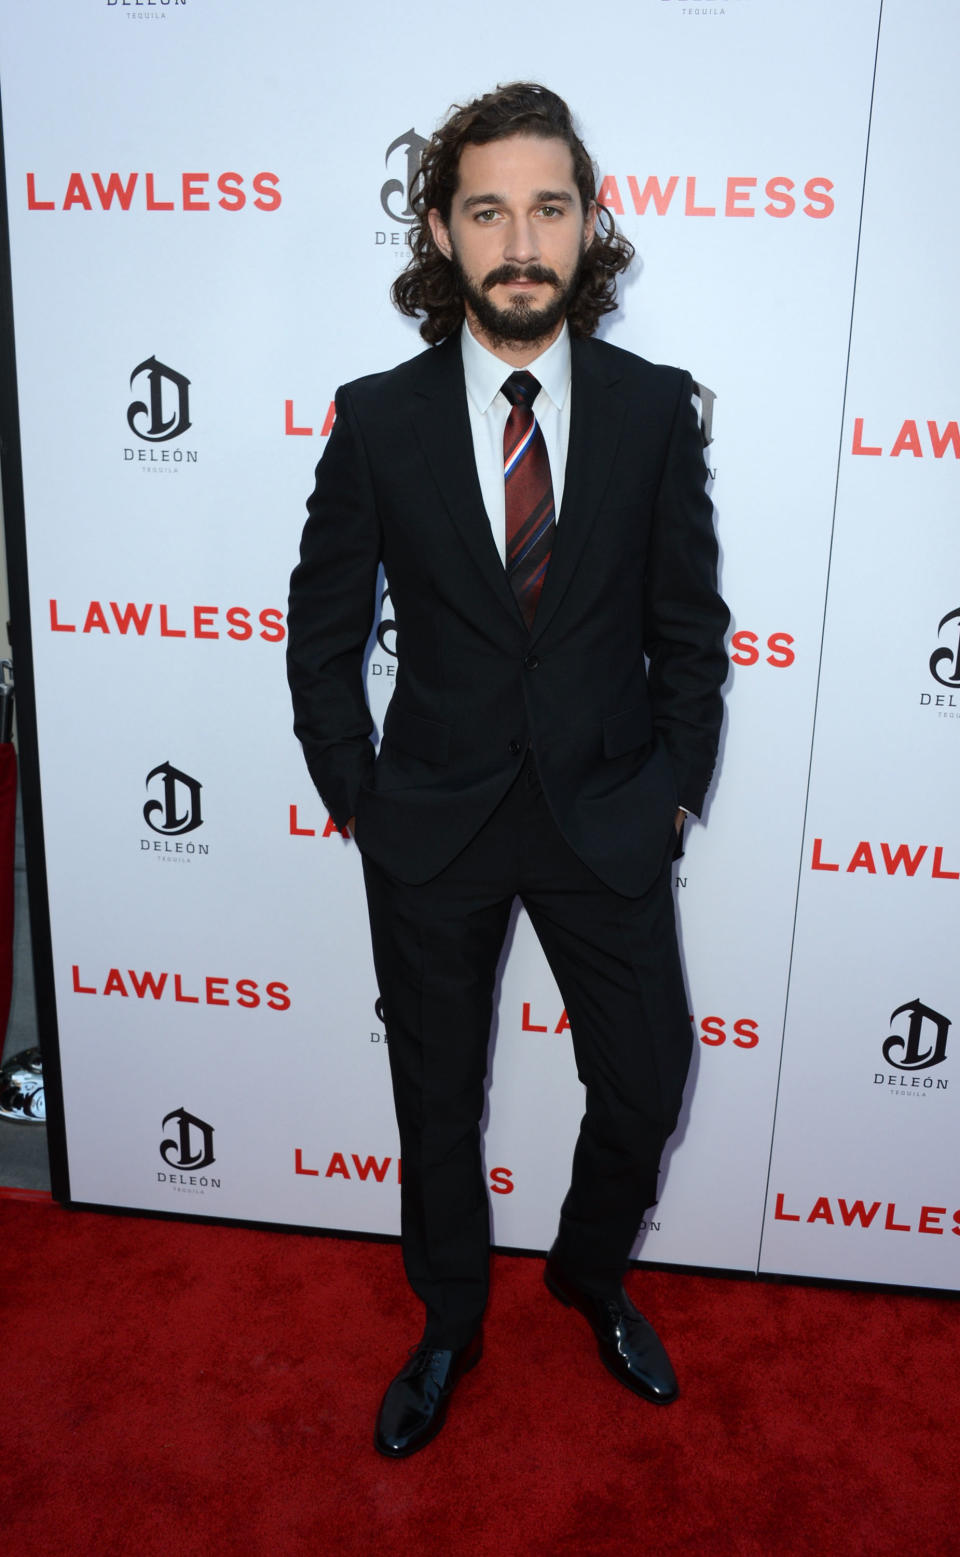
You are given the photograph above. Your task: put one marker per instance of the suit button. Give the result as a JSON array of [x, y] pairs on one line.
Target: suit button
[[514, 748], [531, 662]]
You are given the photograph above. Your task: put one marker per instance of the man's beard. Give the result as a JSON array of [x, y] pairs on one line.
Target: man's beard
[[520, 322]]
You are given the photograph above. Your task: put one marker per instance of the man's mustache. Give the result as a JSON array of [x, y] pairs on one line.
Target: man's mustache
[[521, 273]]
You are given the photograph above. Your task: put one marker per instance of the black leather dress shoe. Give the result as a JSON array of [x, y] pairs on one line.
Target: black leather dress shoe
[[414, 1407], [628, 1344]]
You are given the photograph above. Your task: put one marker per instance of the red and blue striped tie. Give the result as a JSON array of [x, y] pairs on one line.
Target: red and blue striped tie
[[531, 521]]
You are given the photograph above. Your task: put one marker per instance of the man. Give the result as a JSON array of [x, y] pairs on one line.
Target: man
[[537, 500]]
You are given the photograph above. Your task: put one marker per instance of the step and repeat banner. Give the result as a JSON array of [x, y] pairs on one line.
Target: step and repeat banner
[[205, 219]]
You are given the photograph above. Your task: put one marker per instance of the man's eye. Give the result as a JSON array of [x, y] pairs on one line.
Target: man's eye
[[483, 216], [549, 210]]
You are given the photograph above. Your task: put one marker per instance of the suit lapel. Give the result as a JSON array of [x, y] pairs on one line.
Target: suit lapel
[[442, 423], [596, 419]]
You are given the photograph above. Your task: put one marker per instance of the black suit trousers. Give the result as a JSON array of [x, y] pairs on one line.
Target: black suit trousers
[[616, 962]]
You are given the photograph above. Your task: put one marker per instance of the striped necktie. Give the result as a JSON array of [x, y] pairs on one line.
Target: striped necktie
[[529, 495]]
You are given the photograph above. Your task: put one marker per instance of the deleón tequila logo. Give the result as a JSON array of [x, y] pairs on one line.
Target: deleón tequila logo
[[945, 662], [179, 809], [168, 411], [926, 1041], [192, 1146], [413, 146]]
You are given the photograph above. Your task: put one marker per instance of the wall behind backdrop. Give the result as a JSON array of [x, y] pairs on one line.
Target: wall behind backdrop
[[206, 205]]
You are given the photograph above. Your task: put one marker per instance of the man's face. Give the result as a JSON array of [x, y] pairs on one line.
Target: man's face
[[516, 237]]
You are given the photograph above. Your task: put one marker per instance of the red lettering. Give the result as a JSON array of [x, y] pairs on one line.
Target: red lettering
[[907, 438], [862, 859], [300, 832], [289, 426], [95, 618], [76, 193], [821, 1211], [272, 623], [609, 195], [738, 190], [81, 989], [130, 614], [337, 1165], [33, 204], [279, 996], [817, 863], [371, 1165], [153, 204], [266, 186], [747, 1032], [930, 1219], [903, 857], [563, 1026], [202, 619], [817, 191], [193, 191], [690, 206], [744, 649], [147, 982], [239, 619], [115, 189], [941, 440], [330, 827], [187, 1000], [783, 1216], [329, 419], [247, 994], [713, 1031], [890, 1224], [956, 1226], [857, 1212], [782, 202], [652, 191], [299, 1168], [229, 186], [56, 625], [166, 631], [859, 447], [526, 1025], [938, 871], [781, 653], [115, 984], [214, 991], [501, 1181]]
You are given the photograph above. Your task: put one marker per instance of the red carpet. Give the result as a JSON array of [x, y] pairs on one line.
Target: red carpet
[[176, 1389]]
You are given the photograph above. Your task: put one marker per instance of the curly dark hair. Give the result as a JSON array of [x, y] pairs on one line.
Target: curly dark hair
[[428, 285]]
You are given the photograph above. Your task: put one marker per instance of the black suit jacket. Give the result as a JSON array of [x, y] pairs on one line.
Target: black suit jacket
[[616, 688]]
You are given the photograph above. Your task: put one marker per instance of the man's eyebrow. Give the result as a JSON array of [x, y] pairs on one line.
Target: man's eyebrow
[[545, 197]]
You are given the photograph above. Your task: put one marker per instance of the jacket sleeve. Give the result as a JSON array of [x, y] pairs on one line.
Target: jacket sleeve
[[685, 618], [330, 615]]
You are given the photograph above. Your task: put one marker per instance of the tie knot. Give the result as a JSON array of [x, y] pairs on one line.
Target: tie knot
[[521, 388]]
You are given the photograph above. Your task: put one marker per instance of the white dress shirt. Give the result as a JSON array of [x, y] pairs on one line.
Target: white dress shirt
[[489, 409]]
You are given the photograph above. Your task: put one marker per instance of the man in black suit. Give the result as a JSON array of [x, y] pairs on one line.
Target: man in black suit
[[537, 499]]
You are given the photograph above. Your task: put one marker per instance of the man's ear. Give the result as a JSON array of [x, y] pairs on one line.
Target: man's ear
[[439, 233], [589, 225]]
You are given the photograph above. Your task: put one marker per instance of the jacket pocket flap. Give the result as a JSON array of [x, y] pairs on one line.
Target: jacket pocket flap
[[627, 731], [423, 738]]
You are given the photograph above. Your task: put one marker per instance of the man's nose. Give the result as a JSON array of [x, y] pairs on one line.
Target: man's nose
[[521, 246]]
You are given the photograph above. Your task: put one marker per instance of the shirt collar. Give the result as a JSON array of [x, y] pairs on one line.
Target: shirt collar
[[485, 373]]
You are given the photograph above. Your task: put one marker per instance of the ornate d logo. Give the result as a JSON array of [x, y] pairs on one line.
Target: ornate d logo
[[160, 428], [914, 1055], [707, 399], [386, 627], [945, 663], [192, 1146], [179, 789], [414, 145]]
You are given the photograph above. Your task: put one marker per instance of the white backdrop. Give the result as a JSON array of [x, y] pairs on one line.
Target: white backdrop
[[781, 175]]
